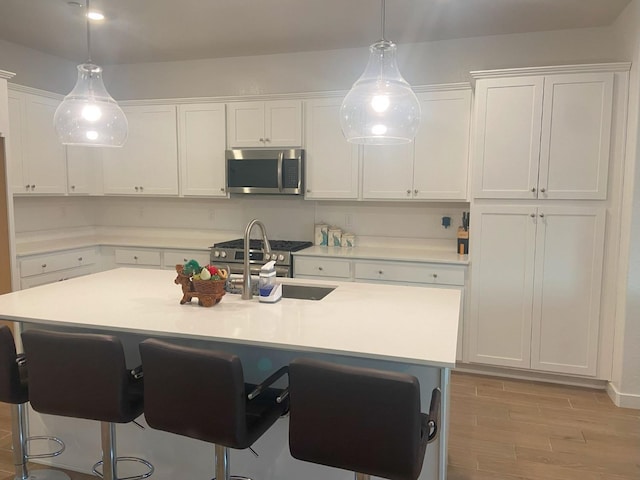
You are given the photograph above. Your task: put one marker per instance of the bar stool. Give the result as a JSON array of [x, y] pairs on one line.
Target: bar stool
[[84, 375], [201, 394], [363, 420], [15, 391]]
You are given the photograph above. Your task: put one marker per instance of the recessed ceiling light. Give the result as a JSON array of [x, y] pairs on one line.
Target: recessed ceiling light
[[95, 15]]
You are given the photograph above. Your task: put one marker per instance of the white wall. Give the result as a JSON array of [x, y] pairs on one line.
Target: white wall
[[626, 367], [422, 63], [38, 70]]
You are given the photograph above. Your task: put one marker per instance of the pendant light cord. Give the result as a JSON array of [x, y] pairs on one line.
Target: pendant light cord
[[382, 18], [89, 31]]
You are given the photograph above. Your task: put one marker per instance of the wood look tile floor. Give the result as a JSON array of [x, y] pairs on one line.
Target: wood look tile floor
[[503, 429]]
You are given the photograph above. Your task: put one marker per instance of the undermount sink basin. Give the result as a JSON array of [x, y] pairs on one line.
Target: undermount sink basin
[[305, 292]]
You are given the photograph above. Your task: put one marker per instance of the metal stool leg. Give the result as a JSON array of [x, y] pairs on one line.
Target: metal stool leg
[[19, 440], [110, 461], [222, 465]]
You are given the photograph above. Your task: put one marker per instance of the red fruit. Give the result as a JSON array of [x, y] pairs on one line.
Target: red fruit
[[212, 270]]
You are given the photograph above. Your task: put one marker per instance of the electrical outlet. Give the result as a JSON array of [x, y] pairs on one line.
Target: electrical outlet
[[348, 220]]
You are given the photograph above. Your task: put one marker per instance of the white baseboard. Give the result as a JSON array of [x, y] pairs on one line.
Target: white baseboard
[[624, 400]]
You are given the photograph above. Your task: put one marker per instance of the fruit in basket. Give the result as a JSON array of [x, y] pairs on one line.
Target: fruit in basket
[[205, 274], [212, 270], [192, 267]]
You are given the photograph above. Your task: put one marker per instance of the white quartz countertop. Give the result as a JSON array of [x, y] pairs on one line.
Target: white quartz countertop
[[413, 325], [431, 255]]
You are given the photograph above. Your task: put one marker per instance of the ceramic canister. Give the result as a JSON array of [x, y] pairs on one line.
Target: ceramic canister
[[321, 234], [348, 240], [335, 237]]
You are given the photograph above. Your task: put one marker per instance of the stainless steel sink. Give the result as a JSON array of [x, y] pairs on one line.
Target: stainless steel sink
[[305, 292]]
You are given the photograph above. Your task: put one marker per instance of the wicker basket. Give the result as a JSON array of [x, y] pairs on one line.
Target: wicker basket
[[209, 286]]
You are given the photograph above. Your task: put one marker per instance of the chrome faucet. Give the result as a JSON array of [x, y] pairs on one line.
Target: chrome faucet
[[247, 294]]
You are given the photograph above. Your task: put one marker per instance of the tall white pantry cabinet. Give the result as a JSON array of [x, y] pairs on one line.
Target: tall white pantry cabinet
[[541, 158]]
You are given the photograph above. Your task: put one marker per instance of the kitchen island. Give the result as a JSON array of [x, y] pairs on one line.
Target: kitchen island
[[408, 329]]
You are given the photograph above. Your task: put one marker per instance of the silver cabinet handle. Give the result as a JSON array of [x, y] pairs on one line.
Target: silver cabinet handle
[[141, 188], [320, 268], [415, 192], [543, 190], [308, 190], [409, 191], [435, 275], [44, 265], [532, 215], [542, 215], [135, 257], [33, 187], [261, 139], [222, 189], [380, 272], [184, 260], [136, 188], [79, 259], [27, 187], [73, 187], [267, 140], [533, 189]]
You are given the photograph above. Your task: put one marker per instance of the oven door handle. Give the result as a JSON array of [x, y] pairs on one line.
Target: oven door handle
[[280, 164]]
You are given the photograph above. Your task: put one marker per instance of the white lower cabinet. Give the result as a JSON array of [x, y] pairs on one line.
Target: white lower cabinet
[[171, 258], [137, 257], [54, 267], [384, 271], [535, 287]]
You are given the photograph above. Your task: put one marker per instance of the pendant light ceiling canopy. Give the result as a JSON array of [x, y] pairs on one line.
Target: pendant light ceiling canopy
[[88, 115], [380, 108]]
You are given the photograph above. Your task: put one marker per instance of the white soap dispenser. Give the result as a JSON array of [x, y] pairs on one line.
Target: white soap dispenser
[[270, 291]]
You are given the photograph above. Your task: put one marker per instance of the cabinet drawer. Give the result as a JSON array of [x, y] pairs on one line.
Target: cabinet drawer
[[138, 257], [409, 273], [322, 267], [56, 262], [53, 277], [171, 259]]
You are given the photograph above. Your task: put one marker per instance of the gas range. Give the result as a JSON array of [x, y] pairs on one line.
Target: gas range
[[232, 253]]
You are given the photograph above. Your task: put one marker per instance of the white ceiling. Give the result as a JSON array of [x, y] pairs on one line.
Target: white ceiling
[[162, 30]]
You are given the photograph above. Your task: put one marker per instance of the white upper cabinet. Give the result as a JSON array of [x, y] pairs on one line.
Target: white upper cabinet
[[536, 286], [147, 164], [331, 162], [84, 170], [435, 165], [201, 142], [37, 158], [543, 136], [274, 123]]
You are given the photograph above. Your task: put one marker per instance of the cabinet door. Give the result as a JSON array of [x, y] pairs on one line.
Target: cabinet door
[[245, 123], [148, 161], [507, 137], [84, 170], [502, 250], [283, 123], [568, 277], [442, 146], [331, 161], [17, 178], [202, 145], [387, 171], [43, 156], [576, 136]]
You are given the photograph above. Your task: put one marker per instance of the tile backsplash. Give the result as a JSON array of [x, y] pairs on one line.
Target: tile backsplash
[[285, 217]]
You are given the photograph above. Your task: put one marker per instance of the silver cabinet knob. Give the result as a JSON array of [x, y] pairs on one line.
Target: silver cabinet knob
[[185, 260], [533, 189], [44, 265], [33, 187], [141, 188], [261, 139], [267, 140], [308, 190], [415, 192], [79, 259], [135, 257], [320, 268], [27, 187], [408, 191], [380, 272], [73, 187], [542, 215], [435, 275], [543, 190], [136, 188], [532, 215], [222, 189]]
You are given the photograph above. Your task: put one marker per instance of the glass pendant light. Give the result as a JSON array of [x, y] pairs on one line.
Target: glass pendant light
[[380, 108], [89, 116]]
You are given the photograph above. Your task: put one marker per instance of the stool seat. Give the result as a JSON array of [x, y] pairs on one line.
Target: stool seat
[[359, 419], [14, 390], [84, 375], [201, 393]]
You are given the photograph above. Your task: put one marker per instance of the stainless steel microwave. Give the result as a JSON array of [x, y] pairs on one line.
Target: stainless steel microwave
[[279, 172]]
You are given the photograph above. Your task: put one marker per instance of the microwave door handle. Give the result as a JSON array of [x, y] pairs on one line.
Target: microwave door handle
[[280, 162]]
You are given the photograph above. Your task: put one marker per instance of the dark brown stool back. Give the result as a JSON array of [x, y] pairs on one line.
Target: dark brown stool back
[[363, 420], [15, 391], [200, 393], [84, 375]]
